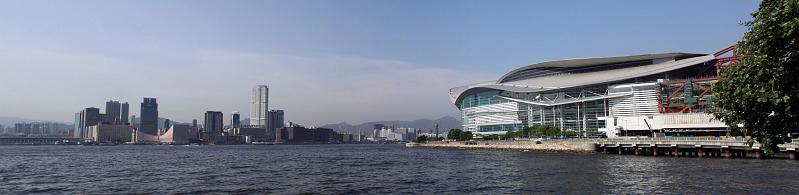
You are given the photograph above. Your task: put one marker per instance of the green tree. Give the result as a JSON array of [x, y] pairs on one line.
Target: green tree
[[758, 96], [511, 134], [570, 133], [528, 131], [454, 134], [465, 136], [420, 139], [539, 130], [550, 130]]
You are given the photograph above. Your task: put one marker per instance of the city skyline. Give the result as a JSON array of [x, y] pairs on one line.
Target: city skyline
[[360, 69]]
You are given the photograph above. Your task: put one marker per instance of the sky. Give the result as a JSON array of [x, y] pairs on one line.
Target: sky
[[325, 61]]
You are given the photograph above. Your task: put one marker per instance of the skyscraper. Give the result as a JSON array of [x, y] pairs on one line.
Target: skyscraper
[[112, 112], [76, 126], [115, 112], [259, 109], [276, 118], [123, 113], [213, 125], [84, 119], [149, 116], [235, 120]]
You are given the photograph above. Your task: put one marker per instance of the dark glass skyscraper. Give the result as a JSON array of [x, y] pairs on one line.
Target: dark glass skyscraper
[[149, 116], [85, 118], [213, 125], [115, 113], [112, 110], [275, 121], [123, 113], [235, 120]]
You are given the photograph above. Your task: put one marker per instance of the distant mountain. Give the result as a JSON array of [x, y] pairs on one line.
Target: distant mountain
[[444, 124], [9, 121]]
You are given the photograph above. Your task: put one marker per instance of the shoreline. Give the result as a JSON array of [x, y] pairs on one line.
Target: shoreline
[[579, 147]]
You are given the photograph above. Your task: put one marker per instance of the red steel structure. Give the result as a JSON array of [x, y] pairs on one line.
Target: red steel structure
[[694, 95]]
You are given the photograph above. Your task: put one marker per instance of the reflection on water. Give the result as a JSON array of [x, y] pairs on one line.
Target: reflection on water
[[374, 169], [637, 175]]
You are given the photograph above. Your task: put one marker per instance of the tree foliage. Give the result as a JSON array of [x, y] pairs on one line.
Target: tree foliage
[[459, 135], [535, 131], [420, 139], [758, 96], [454, 134], [465, 136]]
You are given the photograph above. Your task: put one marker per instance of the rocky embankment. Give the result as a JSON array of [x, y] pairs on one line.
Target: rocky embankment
[[572, 146]]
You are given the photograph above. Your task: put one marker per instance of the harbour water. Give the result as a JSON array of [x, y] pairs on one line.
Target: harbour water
[[374, 169]]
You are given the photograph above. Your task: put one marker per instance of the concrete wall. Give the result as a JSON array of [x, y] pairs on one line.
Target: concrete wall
[[544, 146]]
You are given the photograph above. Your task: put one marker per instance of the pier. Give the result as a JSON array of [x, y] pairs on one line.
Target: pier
[[691, 147], [708, 147]]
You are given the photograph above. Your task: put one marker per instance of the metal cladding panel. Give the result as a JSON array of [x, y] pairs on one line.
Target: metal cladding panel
[[690, 120], [492, 114], [642, 102], [546, 83], [669, 121], [582, 62]]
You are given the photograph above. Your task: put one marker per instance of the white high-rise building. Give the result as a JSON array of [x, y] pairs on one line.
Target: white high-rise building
[[259, 111]]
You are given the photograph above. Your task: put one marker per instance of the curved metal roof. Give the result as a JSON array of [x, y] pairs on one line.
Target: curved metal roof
[[560, 81], [580, 62]]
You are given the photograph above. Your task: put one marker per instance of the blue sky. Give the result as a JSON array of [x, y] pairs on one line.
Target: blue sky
[[326, 61]]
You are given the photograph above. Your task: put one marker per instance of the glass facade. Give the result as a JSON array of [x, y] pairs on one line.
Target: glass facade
[[583, 110], [487, 112], [590, 107]]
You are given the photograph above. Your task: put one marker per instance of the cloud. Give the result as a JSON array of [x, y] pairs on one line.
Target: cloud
[[314, 89]]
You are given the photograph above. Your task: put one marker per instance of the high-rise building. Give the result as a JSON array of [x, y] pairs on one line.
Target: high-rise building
[[194, 123], [235, 120], [123, 113], [259, 109], [76, 126], [213, 125], [275, 121], [149, 116], [112, 112], [84, 119]]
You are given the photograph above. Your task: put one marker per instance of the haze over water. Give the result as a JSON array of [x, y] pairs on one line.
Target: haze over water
[[373, 169]]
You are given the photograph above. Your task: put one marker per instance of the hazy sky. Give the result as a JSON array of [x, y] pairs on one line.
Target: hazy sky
[[325, 61]]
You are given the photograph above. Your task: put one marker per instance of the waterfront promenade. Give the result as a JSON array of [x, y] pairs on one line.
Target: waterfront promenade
[[667, 146], [575, 146]]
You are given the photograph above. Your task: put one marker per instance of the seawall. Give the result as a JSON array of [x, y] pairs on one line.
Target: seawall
[[573, 146]]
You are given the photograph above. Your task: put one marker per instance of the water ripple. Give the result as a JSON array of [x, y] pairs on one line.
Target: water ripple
[[373, 169]]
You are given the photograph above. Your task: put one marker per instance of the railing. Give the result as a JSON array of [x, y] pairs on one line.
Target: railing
[[632, 140], [734, 139]]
